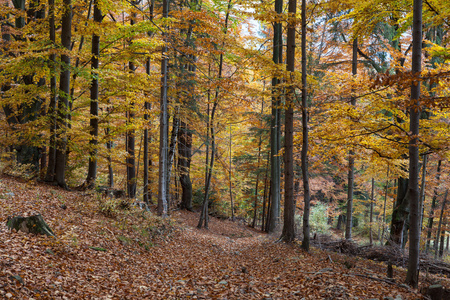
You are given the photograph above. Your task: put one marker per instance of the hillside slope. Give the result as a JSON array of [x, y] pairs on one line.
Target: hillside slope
[[104, 252]]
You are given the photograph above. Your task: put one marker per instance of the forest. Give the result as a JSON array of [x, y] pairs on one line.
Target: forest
[[306, 120]]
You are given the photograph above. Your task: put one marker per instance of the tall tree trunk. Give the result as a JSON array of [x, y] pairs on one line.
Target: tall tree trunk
[[204, 212], [441, 218], [93, 122], [172, 149], [305, 143], [412, 276], [52, 109], [147, 197], [351, 156], [164, 126], [131, 134], [275, 166], [63, 103], [288, 233], [433, 207]]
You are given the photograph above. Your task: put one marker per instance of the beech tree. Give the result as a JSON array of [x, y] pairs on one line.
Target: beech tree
[[288, 234], [64, 92]]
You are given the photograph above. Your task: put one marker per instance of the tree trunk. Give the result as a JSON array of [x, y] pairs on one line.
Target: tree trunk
[[265, 196], [172, 149], [275, 168], [351, 157], [52, 109], [230, 181], [184, 164], [384, 206], [147, 197], [412, 276], [305, 143], [204, 212], [93, 122], [433, 207], [63, 103], [164, 126], [400, 213], [422, 189], [288, 233], [441, 218], [371, 212], [255, 211]]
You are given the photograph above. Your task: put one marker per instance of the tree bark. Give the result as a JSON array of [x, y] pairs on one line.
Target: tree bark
[[164, 126], [412, 275], [63, 103], [288, 233], [184, 164], [441, 218], [275, 166], [433, 207], [147, 197], [371, 212], [384, 206], [351, 156], [93, 121], [305, 142], [52, 109]]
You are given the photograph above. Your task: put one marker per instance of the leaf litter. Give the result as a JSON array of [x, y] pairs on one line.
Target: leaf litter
[[136, 255]]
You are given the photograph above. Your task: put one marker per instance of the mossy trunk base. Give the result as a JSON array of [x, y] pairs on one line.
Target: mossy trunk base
[[32, 224]]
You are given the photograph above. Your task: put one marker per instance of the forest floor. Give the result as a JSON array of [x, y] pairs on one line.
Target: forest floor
[[105, 252]]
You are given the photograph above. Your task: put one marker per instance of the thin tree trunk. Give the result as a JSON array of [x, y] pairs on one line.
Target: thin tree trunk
[[93, 121], [63, 103], [147, 106], [305, 143], [172, 149], [230, 182], [255, 211], [265, 198], [288, 233], [351, 156], [412, 275], [433, 207], [131, 135], [384, 206], [422, 189], [441, 218], [371, 212], [204, 212]]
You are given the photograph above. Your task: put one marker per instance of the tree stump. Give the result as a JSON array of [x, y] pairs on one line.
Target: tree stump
[[435, 292], [32, 224]]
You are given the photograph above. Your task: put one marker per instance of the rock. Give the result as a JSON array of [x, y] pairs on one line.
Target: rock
[[223, 282], [32, 224]]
